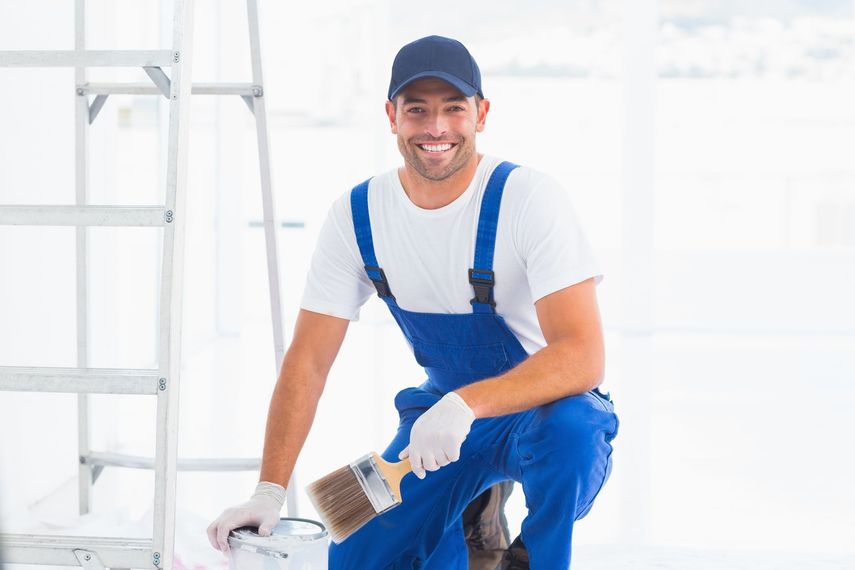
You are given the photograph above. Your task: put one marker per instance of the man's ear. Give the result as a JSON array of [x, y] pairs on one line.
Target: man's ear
[[390, 113], [483, 109]]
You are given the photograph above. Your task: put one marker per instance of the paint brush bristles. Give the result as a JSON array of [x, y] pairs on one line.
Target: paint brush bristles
[[341, 503], [350, 497]]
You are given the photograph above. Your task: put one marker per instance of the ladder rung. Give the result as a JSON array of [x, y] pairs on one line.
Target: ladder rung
[[187, 464], [86, 58], [80, 380], [150, 89], [82, 216], [58, 549]]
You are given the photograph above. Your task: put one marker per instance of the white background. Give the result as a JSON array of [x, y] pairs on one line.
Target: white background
[[707, 147]]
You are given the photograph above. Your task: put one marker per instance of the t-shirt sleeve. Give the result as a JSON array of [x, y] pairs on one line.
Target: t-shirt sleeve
[[551, 241], [336, 284]]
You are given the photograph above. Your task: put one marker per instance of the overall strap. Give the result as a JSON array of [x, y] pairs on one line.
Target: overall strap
[[481, 275], [362, 227]]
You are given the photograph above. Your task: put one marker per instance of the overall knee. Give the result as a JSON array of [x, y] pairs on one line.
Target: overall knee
[[575, 427]]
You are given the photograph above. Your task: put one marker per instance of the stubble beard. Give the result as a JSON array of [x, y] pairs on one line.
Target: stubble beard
[[463, 153]]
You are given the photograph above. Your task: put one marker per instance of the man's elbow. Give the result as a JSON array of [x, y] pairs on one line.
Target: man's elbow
[[597, 366], [590, 363], [596, 379]]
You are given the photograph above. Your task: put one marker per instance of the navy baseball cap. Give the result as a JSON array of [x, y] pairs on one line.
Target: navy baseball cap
[[436, 56]]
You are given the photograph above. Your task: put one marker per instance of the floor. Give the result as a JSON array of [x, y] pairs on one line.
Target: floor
[[194, 553]]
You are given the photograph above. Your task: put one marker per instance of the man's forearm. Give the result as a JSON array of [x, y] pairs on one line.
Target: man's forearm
[[564, 368], [291, 413]]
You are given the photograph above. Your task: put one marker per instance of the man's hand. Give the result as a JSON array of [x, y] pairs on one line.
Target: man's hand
[[261, 510], [437, 435]]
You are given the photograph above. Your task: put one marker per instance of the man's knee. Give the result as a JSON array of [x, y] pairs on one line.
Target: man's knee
[[574, 427], [575, 417]]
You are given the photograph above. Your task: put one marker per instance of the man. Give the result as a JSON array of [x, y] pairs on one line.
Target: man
[[512, 371]]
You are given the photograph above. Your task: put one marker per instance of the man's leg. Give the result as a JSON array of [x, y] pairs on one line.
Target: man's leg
[[565, 458], [426, 528], [450, 553]]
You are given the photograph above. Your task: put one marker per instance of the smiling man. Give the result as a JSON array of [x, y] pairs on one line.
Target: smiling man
[[484, 267]]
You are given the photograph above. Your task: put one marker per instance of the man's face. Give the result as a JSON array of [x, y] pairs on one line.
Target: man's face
[[436, 127]]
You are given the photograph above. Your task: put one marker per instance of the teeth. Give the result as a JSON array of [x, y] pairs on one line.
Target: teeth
[[436, 147]]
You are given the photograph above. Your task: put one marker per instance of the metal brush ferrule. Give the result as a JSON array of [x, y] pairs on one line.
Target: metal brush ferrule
[[375, 486]]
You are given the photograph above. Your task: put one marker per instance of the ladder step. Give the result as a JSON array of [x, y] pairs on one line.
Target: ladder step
[[83, 216], [86, 58], [80, 380], [54, 549], [150, 89], [187, 464]]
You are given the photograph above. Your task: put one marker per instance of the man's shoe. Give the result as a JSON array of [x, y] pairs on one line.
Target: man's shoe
[[516, 557], [485, 527]]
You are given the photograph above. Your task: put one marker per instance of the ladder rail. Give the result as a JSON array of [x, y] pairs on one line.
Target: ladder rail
[[269, 212], [172, 272], [85, 475]]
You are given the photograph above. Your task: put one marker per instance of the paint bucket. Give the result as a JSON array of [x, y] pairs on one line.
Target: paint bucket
[[294, 544]]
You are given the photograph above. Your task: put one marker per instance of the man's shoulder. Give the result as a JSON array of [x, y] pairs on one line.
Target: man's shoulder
[[527, 183], [379, 183], [383, 179], [382, 182]]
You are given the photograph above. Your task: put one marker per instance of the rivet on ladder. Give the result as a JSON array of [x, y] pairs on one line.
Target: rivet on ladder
[[163, 383], [176, 57], [168, 216]]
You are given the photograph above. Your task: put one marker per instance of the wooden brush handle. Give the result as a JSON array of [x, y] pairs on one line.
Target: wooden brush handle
[[393, 472]]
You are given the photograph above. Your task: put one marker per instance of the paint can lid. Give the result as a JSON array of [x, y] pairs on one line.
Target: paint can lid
[[290, 533]]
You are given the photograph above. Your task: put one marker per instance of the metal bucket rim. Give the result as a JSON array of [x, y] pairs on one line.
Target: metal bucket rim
[[268, 544]]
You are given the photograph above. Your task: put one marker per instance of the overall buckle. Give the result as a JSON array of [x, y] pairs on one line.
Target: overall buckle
[[482, 281], [380, 284]]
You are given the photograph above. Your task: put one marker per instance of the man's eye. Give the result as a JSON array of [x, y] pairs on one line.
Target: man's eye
[[415, 110], [457, 108]]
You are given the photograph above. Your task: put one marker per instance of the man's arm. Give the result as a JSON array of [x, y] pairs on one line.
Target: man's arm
[[316, 342], [573, 361]]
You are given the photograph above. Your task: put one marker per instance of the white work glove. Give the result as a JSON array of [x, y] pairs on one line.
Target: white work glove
[[437, 435], [261, 510]]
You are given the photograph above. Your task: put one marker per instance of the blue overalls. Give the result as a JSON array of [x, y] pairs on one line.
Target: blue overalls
[[559, 452]]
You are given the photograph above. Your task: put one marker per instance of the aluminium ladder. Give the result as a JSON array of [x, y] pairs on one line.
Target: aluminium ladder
[[97, 553]]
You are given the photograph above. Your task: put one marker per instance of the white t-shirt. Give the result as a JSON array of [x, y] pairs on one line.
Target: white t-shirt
[[427, 254]]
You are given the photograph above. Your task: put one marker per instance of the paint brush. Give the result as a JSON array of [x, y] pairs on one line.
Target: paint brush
[[350, 497]]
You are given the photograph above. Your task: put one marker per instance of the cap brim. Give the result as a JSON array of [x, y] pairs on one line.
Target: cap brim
[[462, 86]]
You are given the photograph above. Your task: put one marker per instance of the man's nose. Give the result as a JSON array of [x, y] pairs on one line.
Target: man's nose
[[436, 126]]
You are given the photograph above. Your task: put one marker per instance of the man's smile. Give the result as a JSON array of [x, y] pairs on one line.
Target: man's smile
[[436, 148]]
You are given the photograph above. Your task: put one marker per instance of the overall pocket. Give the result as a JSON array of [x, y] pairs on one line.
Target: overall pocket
[[482, 359]]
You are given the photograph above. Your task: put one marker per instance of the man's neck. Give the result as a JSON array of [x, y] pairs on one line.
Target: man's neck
[[433, 194]]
